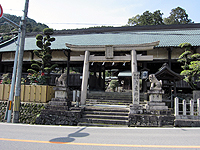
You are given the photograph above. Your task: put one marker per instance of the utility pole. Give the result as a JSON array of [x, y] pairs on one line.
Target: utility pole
[[19, 66], [10, 100]]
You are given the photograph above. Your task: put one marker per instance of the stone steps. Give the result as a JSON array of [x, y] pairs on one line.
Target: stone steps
[[104, 116], [121, 96], [108, 102]]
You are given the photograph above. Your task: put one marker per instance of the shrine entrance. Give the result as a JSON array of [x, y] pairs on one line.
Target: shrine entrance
[[98, 58]]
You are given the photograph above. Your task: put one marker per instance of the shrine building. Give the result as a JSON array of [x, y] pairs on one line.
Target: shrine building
[[122, 51]]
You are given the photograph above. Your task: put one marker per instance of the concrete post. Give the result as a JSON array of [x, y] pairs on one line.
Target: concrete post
[[198, 106], [184, 107], [74, 95], [135, 78], [85, 78], [77, 98], [19, 66], [176, 111], [191, 107]]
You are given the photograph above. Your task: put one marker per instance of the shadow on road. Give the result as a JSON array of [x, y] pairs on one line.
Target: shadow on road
[[70, 138]]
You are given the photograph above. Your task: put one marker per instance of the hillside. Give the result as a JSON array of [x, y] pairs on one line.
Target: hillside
[[5, 28], [32, 25]]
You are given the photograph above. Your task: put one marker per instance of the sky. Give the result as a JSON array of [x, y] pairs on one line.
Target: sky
[[72, 14]]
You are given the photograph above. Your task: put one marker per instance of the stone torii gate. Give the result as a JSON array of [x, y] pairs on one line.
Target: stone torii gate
[[109, 57]]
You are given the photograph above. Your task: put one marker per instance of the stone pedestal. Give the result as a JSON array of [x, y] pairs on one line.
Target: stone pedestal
[[155, 100], [61, 97], [136, 109], [60, 92]]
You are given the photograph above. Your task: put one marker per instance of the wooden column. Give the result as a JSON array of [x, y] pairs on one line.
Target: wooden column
[[1, 69], [169, 57], [85, 78], [99, 81], [135, 78], [104, 77], [95, 75], [68, 66]]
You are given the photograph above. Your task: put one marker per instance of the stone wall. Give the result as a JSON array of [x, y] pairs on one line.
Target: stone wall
[[186, 123], [28, 111], [152, 119], [59, 117], [2, 110], [35, 113]]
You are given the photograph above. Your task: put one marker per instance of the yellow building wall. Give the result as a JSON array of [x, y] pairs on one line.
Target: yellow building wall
[[30, 93]]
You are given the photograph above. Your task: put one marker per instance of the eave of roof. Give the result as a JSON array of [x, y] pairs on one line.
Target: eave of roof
[[165, 71]]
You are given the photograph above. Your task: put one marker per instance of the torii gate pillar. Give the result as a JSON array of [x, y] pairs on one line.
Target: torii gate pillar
[[85, 78], [135, 108]]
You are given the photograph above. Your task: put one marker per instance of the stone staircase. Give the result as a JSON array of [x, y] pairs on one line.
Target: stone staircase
[[111, 98], [107, 109], [104, 116]]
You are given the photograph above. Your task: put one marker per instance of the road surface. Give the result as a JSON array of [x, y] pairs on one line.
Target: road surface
[[36, 137]]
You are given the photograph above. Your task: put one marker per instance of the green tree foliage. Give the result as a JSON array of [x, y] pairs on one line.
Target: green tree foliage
[[31, 26], [114, 84], [44, 65], [177, 16], [147, 18], [134, 20], [5, 79], [191, 65]]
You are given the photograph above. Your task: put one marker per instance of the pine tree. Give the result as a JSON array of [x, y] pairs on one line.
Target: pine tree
[[41, 68], [191, 66]]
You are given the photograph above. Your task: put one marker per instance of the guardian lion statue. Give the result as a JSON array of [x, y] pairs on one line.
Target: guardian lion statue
[[155, 84], [61, 81]]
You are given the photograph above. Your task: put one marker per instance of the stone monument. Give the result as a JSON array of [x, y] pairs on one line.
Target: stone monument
[[155, 95], [61, 91], [58, 111], [135, 108]]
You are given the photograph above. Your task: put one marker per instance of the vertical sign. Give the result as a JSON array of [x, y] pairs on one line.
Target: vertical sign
[[1, 11]]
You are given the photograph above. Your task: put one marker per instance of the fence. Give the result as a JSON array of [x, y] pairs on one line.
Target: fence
[[182, 110], [30, 93]]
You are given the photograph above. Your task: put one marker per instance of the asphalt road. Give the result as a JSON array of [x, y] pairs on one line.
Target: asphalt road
[[35, 137]]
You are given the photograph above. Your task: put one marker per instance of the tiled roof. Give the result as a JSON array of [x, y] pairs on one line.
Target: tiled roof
[[167, 37]]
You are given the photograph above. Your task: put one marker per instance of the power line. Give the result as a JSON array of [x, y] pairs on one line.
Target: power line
[[83, 23]]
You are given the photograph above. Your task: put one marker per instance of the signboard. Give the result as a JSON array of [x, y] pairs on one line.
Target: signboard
[[144, 74], [1, 11]]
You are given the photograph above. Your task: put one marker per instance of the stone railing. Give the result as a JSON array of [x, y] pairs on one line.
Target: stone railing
[[181, 108], [187, 114]]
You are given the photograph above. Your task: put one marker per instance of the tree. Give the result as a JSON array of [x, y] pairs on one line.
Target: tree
[[29, 28], [191, 65], [177, 16], [134, 20], [147, 18], [114, 84], [157, 18], [42, 66], [31, 24]]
